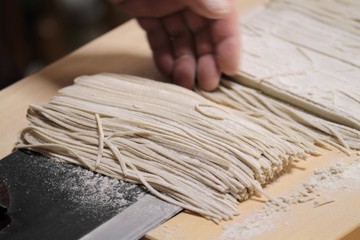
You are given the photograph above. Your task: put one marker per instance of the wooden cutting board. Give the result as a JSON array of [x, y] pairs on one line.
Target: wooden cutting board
[[124, 50]]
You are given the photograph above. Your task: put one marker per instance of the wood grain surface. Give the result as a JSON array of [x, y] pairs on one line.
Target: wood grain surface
[[125, 50]]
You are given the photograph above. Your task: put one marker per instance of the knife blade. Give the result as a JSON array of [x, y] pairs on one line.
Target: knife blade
[[126, 225]]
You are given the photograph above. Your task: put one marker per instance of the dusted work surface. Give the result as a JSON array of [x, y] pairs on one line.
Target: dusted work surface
[[124, 50]]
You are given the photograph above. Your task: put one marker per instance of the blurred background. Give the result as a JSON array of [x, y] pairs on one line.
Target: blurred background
[[34, 33]]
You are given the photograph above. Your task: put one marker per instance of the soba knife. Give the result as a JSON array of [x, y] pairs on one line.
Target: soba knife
[[44, 199]]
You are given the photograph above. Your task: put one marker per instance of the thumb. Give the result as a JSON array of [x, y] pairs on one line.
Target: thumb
[[209, 8]]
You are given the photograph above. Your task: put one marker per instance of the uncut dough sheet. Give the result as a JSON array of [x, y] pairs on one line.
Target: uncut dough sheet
[[306, 53]]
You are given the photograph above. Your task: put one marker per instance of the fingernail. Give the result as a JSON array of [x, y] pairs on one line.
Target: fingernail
[[218, 6]]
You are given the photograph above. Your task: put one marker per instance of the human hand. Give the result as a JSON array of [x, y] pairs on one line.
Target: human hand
[[190, 39]]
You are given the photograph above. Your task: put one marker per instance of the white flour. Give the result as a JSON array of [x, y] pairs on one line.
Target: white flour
[[340, 176], [97, 189], [88, 191]]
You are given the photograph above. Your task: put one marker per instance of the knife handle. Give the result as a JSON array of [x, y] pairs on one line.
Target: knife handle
[[4, 204], [4, 195]]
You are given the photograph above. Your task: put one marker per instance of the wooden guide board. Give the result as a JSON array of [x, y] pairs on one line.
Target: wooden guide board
[[124, 50]]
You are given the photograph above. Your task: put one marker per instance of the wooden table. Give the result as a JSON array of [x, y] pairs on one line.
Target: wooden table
[[124, 50]]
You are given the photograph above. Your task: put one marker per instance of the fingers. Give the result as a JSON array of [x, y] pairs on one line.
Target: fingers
[[184, 69], [159, 43], [187, 46], [208, 72], [211, 9], [172, 46], [216, 30], [190, 39], [217, 46], [226, 37]]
